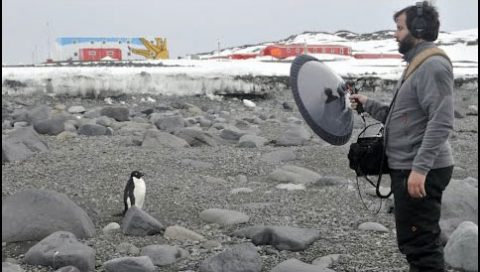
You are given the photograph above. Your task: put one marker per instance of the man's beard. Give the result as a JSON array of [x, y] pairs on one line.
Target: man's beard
[[406, 44]]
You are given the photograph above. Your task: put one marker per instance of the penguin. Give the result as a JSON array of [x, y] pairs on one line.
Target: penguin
[[134, 194]]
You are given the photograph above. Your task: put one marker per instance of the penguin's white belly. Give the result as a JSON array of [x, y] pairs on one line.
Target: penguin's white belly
[[138, 192]]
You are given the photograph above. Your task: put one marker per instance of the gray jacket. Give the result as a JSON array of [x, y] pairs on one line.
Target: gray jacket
[[420, 123]]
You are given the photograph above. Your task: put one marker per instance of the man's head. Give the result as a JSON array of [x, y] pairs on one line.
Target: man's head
[[416, 23]]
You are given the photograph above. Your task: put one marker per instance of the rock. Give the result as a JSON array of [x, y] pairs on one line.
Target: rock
[[158, 139], [33, 115], [196, 137], [281, 237], [461, 251], [93, 130], [127, 248], [326, 261], [238, 258], [232, 133], [129, 264], [291, 265], [170, 123], [459, 203], [53, 126], [76, 109], [294, 135], [251, 141], [224, 217], [140, 223], [69, 268], [9, 267], [472, 110], [34, 214], [60, 249], [162, 255], [21, 144], [118, 113], [373, 226], [182, 234], [294, 174], [111, 227]]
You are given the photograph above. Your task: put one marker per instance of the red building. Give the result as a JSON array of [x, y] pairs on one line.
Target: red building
[[241, 56], [376, 56], [291, 50], [97, 54]]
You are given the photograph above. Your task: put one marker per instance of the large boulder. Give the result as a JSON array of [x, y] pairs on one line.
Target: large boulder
[[129, 264], [62, 249], [238, 258], [459, 203], [461, 250], [140, 223], [20, 144], [34, 214]]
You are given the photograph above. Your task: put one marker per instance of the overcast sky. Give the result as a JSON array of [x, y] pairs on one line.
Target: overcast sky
[[194, 26]]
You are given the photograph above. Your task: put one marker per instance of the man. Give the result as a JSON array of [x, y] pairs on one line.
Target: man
[[417, 128]]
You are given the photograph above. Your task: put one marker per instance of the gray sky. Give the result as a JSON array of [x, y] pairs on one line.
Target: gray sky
[[194, 26]]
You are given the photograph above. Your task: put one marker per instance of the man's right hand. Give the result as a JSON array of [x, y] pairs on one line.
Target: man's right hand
[[356, 99]]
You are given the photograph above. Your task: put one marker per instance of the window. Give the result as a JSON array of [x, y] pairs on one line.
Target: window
[[110, 53], [92, 53], [91, 42], [75, 54]]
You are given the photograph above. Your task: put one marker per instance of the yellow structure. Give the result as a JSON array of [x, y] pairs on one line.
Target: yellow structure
[[152, 51]]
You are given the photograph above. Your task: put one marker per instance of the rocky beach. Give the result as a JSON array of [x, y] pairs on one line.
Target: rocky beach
[[214, 169]]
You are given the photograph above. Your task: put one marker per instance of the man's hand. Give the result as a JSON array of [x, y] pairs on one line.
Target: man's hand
[[416, 185], [356, 99]]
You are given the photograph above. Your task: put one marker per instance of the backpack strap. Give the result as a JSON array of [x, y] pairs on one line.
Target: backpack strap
[[422, 57]]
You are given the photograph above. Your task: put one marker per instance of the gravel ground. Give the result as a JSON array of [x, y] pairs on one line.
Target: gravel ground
[[92, 171]]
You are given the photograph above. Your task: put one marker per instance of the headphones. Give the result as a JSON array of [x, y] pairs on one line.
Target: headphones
[[419, 24]]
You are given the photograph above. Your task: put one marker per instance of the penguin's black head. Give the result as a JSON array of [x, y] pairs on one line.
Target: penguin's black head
[[136, 174]]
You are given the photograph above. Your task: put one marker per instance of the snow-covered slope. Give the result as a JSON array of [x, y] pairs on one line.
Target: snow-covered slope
[[213, 76]]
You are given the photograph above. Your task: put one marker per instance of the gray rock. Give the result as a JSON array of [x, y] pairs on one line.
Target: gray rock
[[294, 135], [111, 227], [326, 261], [281, 237], [93, 130], [118, 113], [472, 110], [127, 248], [291, 265], [196, 137], [162, 255], [461, 251], [105, 121], [232, 133], [76, 109], [239, 258], [158, 139], [182, 234], [69, 268], [21, 144], [224, 217], [251, 141], [9, 267], [33, 115], [34, 214], [53, 126], [459, 203], [140, 223], [373, 226], [170, 123], [61, 249], [129, 264], [294, 174]]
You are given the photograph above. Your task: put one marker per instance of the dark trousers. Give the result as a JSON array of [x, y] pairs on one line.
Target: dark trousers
[[417, 219]]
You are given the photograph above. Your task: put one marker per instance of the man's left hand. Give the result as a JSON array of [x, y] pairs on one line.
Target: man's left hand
[[416, 185]]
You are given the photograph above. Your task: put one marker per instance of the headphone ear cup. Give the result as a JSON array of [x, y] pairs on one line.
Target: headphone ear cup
[[418, 27]]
